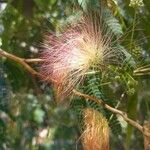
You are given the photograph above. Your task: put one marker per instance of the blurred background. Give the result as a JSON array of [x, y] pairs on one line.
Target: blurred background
[[30, 119]]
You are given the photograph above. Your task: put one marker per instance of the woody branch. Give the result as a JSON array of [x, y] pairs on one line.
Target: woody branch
[[24, 62]]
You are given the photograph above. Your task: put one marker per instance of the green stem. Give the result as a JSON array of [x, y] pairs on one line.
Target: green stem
[[133, 29], [143, 67]]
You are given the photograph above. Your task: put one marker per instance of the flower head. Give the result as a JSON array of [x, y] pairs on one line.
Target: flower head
[[68, 56], [96, 132]]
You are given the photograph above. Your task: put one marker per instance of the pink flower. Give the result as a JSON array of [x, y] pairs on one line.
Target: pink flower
[[68, 56]]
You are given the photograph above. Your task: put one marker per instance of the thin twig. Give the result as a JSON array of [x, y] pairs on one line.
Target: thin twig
[[33, 60], [142, 67], [18, 60], [144, 70], [116, 111], [24, 62]]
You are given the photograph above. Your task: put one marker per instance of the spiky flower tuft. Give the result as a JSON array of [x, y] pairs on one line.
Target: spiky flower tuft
[[68, 56], [96, 132]]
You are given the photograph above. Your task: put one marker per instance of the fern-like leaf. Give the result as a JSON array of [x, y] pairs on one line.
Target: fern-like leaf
[[93, 87], [112, 23]]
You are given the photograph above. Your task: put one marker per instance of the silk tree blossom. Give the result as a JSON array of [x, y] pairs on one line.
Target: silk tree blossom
[[96, 131], [68, 56]]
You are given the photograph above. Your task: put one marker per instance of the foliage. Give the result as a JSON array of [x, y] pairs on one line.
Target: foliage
[[29, 117]]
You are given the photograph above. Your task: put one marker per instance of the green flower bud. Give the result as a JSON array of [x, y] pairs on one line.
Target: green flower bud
[[136, 3]]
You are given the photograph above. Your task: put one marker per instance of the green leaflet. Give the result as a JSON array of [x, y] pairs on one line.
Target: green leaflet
[[129, 60], [74, 18], [112, 23], [89, 4], [92, 87]]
